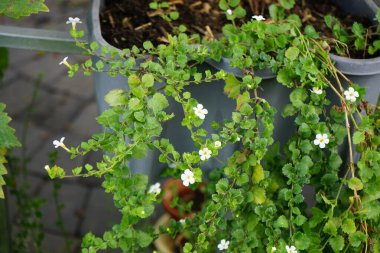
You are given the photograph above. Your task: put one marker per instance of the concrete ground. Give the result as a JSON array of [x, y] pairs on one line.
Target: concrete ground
[[63, 107]]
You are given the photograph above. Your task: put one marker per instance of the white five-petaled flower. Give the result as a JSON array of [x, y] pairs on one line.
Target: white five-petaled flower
[[290, 249], [155, 189], [58, 144], [223, 244], [229, 12], [73, 22], [274, 249], [217, 144], [317, 90], [64, 61], [258, 17], [351, 94], [187, 177], [182, 221], [200, 111], [205, 153], [47, 168], [321, 140]]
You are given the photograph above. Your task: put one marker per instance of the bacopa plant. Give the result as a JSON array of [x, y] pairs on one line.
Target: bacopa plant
[[254, 200]]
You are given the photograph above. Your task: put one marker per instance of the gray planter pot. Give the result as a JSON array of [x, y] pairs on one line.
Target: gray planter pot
[[365, 72], [210, 95]]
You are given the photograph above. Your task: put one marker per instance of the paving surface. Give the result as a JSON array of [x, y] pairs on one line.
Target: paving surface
[[63, 107]]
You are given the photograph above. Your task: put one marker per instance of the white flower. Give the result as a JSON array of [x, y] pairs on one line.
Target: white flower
[[73, 22], [205, 154], [217, 144], [182, 221], [200, 111], [64, 61], [351, 94], [317, 90], [321, 140], [187, 177], [223, 244], [274, 249], [290, 249], [58, 144], [238, 138], [258, 18], [155, 189], [229, 12], [47, 168]]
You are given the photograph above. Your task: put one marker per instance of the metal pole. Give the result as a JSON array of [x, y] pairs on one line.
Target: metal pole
[[37, 39]]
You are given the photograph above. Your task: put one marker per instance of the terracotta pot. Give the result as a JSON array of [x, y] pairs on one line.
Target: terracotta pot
[[175, 187]]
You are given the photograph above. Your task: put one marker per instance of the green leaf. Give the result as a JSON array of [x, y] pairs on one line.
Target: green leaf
[[358, 137], [285, 77], [302, 241], [94, 46], [335, 161], [187, 248], [282, 222], [174, 15], [232, 87], [258, 174], [317, 217], [157, 103], [337, 243], [140, 116], [358, 29], [148, 45], [21, 8], [116, 97], [305, 146], [289, 110], [76, 171], [331, 227], [109, 118], [242, 179], [298, 96], [133, 80], [143, 239], [222, 186], [134, 104], [147, 80], [287, 4], [311, 32], [357, 238], [7, 137], [348, 226], [292, 53], [355, 184], [259, 195]]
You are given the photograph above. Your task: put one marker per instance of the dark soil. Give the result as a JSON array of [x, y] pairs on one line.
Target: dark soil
[[131, 22]]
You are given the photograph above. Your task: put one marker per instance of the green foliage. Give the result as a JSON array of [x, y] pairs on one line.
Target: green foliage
[[20, 8], [254, 198], [8, 140]]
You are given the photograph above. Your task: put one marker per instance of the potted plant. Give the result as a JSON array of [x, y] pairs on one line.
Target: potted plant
[[254, 199]]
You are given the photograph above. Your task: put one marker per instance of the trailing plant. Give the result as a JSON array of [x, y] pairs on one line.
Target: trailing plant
[[8, 141], [254, 199], [21, 8]]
